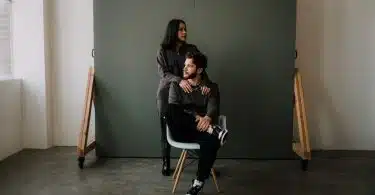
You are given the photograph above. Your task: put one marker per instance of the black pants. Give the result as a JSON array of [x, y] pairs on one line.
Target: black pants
[[162, 105], [184, 129], [165, 147]]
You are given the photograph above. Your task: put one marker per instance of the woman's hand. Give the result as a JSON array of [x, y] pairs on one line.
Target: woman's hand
[[203, 123], [205, 90], [185, 85]]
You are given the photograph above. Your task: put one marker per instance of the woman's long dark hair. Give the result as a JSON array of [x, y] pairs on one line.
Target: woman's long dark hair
[[170, 37]]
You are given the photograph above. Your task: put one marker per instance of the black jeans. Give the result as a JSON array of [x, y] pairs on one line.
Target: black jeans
[[184, 129], [165, 147]]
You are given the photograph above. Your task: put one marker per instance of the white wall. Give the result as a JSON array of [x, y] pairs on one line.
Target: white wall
[[29, 60], [336, 44], [72, 45], [52, 53], [10, 117]]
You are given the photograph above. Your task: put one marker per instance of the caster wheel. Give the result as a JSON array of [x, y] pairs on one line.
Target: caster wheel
[[304, 165], [81, 161]]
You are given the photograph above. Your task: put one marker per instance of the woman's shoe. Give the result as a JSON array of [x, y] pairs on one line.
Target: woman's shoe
[[166, 168]]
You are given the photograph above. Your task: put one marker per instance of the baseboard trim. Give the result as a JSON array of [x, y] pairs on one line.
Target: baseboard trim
[[334, 154], [321, 154]]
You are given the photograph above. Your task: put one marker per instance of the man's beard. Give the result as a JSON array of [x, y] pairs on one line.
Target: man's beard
[[191, 76]]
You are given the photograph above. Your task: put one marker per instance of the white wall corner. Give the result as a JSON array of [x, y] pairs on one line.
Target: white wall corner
[[49, 37]]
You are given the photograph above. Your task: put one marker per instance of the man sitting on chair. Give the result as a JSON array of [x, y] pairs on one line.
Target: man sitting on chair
[[190, 115]]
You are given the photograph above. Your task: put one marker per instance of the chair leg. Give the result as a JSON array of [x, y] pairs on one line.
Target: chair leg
[[178, 165], [179, 171], [215, 180]]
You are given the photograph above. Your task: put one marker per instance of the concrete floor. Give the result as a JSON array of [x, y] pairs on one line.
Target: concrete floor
[[55, 172]]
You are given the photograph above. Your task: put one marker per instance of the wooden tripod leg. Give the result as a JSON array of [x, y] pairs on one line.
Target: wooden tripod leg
[[82, 148], [179, 171], [300, 147], [214, 179], [304, 134], [303, 147]]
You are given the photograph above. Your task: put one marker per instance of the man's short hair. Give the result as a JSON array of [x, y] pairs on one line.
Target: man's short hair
[[199, 59]]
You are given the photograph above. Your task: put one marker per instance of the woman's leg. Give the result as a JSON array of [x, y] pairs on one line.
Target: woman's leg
[[165, 147]]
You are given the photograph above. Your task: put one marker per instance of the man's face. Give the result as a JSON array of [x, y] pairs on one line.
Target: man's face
[[190, 69]]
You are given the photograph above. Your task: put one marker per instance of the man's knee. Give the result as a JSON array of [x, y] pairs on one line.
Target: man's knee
[[209, 141]]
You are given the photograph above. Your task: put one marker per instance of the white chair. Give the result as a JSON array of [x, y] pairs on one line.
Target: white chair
[[186, 148]]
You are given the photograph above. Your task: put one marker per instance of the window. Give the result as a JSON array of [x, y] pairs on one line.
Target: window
[[5, 38]]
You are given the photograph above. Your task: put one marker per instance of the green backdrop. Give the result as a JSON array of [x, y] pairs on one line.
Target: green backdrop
[[250, 47]]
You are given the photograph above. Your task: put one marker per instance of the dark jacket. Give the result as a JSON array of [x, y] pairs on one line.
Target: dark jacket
[[196, 102], [170, 66]]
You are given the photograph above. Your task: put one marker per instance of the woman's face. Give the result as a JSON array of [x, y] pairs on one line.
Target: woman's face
[[182, 34]]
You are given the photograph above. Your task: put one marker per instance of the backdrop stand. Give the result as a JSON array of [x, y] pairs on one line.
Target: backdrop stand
[[82, 147], [302, 147]]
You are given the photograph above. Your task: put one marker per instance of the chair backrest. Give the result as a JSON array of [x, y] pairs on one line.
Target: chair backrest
[[168, 131], [169, 136]]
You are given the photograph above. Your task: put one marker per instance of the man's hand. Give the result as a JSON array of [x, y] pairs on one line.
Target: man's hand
[[203, 123], [205, 90], [185, 85]]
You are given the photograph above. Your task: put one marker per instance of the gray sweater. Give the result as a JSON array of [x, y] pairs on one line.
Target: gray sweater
[[196, 101]]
